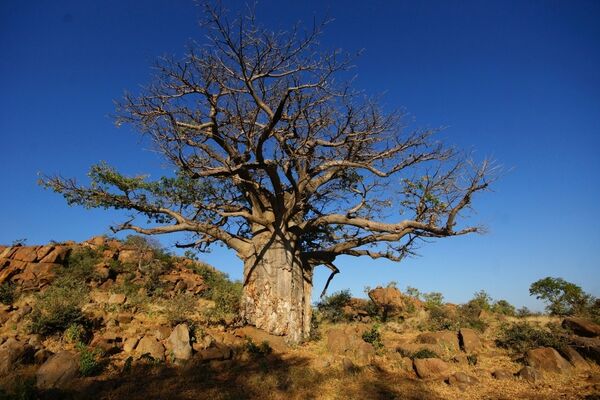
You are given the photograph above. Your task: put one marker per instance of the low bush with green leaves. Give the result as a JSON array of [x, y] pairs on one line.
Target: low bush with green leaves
[[448, 318], [58, 307], [261, 350], [331, 307], [504, 307], [80, 264], [90, 360], [225, 293], [433, 299], [75, 333], [373, 336], [523, 336], [421, 353], [7, 293]]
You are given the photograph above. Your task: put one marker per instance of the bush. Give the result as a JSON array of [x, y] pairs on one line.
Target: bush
[[373, 336], [80, 265], [433, 299], [90, 363], [424, 353], [58, 307], [481, 301], [523, 336], [226, 294], [504, 307], [7, 293], [262, 350], [75, 333], [331, 307], [444, 317]]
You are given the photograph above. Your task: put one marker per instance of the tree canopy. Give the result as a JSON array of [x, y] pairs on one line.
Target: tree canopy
[[267, 135]]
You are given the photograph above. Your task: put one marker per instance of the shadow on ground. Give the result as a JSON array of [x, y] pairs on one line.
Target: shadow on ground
[[267, 378]]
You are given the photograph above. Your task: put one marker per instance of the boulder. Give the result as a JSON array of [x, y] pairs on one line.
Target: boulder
[[12, 353], [502, 374], [40, 356], [348, 365], [130, 343], [57, 255], [547, 359], [530, 374], [148, 345], [462, 380], [162, 332], [97, 241], [347, 341], [575, 358], [179, 342], [589, 347], [430, 368], [446, 341], [389, 300], [217, 352], [43, 251], [117, 298], [582, 327], [469, 340], [58, 371], [26, 254]]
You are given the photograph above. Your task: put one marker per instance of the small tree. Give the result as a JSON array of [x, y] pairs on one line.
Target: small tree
[[561, 297], [285, 164]]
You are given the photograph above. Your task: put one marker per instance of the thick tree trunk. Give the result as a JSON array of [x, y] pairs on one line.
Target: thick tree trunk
[[277, 290]]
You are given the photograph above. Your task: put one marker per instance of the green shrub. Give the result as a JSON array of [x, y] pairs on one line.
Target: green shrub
[[7, 293], [446, 318], [433, 299], [413, 292], [332, 307], [472, 359], [75, 333], [58, 307], [226, 294], [315, 329], [442, 318], [424, 353], [373, 336], [523, 336], [90, 362], [262, 349], [504, 307], [481, 301], [80, 264]]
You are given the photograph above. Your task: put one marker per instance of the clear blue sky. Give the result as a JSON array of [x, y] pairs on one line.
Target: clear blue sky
[[516, 80]]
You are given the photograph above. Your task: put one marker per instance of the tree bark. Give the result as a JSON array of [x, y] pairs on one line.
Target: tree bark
[[277, 290]]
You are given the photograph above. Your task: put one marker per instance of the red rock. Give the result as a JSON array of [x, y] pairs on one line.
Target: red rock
[[430, 368], [547, 359], [27, 254], [43, 251], [389, 299], [575, 358], [57, 255], [582, 327], [469, 340], [445, 340]]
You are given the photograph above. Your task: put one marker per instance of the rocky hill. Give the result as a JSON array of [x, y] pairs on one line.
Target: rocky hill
[[109, 319]]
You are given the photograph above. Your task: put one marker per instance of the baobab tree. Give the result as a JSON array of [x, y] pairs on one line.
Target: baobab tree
[[280, 160]]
